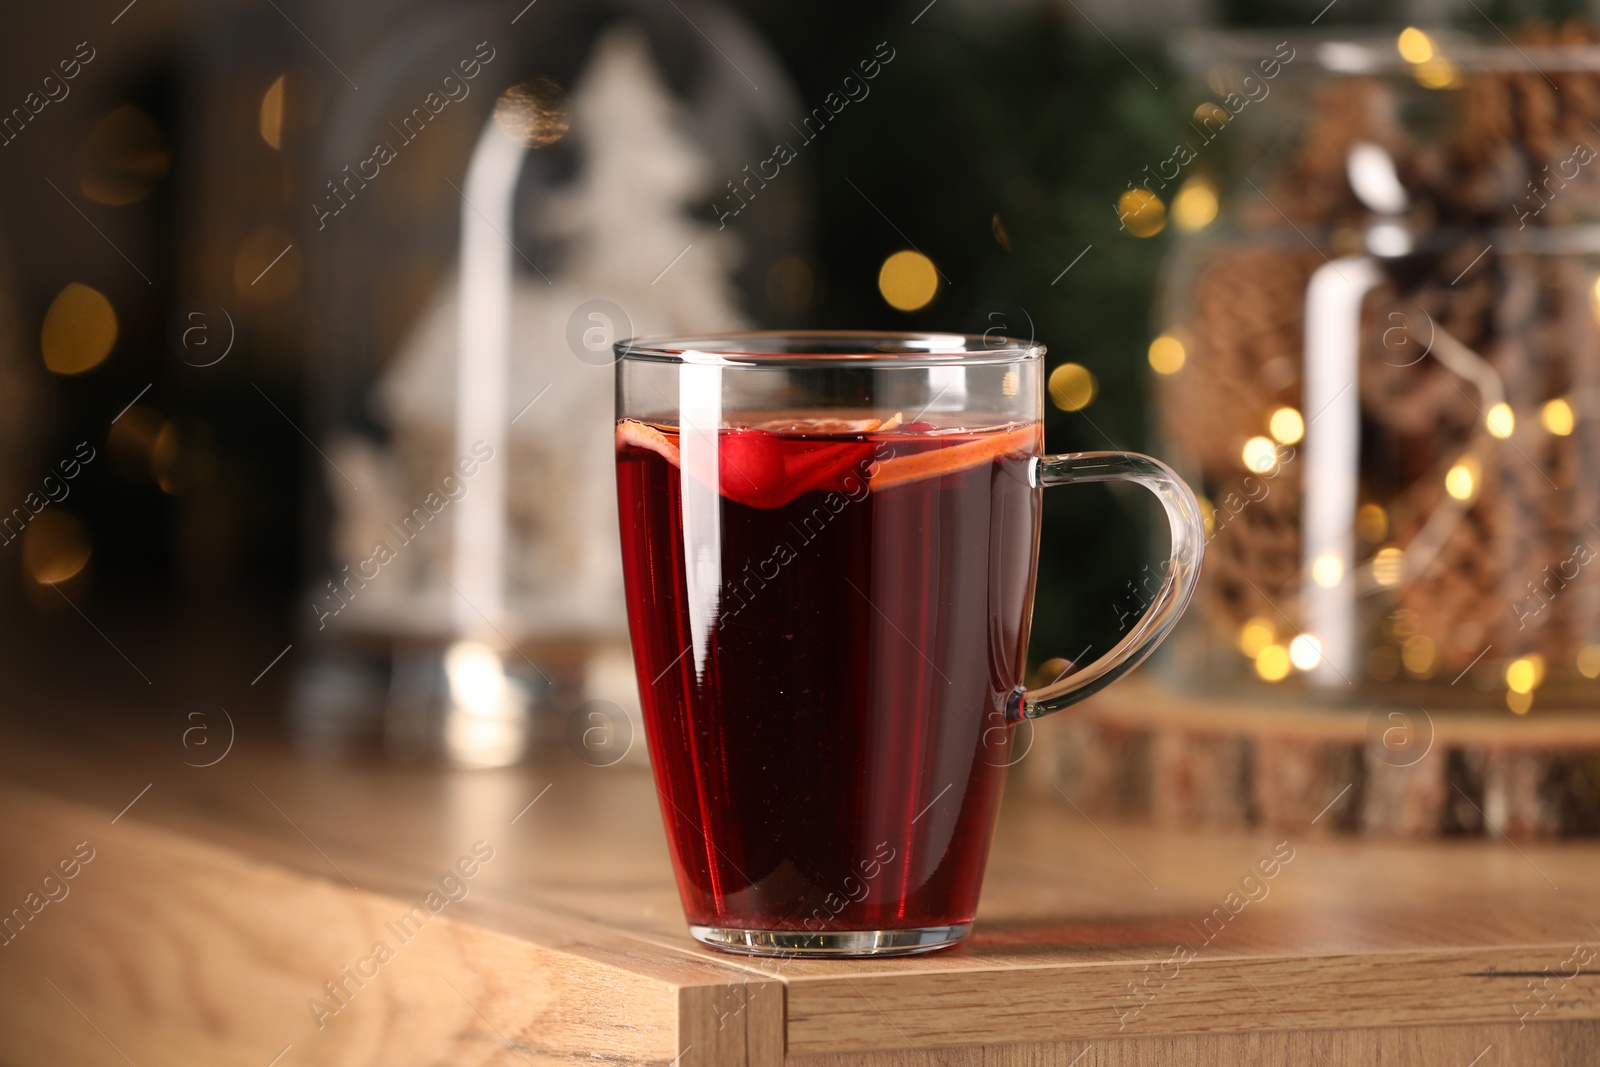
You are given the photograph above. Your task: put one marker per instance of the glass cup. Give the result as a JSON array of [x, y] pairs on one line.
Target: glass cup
[[829, 544]]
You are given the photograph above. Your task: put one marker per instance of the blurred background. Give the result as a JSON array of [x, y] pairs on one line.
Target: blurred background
[[238, 233]]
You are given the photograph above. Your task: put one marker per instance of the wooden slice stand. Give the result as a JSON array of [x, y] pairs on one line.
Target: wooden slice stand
[[1146, 750]]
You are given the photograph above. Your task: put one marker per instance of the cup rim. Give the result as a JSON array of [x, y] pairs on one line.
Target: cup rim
[[856, 348]]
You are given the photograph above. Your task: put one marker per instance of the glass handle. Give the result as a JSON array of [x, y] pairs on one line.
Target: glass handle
[[1183, 572]]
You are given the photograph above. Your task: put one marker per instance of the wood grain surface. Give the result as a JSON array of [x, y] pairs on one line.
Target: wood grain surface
[[221, 901]]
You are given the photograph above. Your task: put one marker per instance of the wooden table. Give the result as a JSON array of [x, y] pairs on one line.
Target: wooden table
[[220, 900]]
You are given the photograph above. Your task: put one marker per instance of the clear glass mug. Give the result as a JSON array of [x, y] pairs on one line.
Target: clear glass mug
[[829, 546]]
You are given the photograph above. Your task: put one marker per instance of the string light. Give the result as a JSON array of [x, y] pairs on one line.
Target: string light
[[908, 280], [1260, 455], [1556, 416], [1305, 651], [1142, 212], [1195, 206], [1072, 387], [1414, 45], [1462, 480], [1589, 661], [1417, 654], [1500, 420], [1167, 354], [1273, 663], [1388, 565], [1286, 426], [1255, 635]]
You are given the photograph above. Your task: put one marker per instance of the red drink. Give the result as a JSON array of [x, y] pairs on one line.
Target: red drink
[[825, 670]]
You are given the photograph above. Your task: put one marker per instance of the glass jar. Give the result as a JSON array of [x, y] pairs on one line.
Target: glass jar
[[1381, 364]]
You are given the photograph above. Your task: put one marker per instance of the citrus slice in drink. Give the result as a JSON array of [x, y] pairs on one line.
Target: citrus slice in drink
[[1022, 441]]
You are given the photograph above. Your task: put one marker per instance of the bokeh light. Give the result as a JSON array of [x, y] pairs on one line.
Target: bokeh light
[[1556, 416], [1167, 354], [1327, 570], [1195, 206], [1437, 73], [132, 443], [1417, 655], [79, 331], [1521, 675], [1255, 635], [1142, 212], [1072, 387], [1305, 651], [122, 157], [908, 280], [1415, 46], [1589, 661], [1372, 522], [1388, 565], [183, 455], [1286, 426], [1499, 420], [1273, 663], [1461, 481], [55, 547], [1002, 236], [1259, 455], [270, 121]]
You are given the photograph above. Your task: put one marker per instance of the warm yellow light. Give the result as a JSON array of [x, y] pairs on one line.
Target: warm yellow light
[[1167, 354], [1500, 420], [1521, 676], [122, 157], [1212, 111], [1556, 416], [1208, 512], [1142, 212], [1327, 570], [1418, 654], [1305, 652], [1388, 565], [1372, 523], [1415, 46], [1286, 426], [1462, 480], [1520, 703], [1195, 206], [79, 330], [908, 280], [1255, 635], [1437, 73], [271, 120], [1072, 387], [1589, 661], [1260, 455], [1273, 663], [55, 547]]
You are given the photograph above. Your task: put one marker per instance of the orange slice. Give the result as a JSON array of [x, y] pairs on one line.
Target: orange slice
[[1024, 440], [641, 435], [822, 426]]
